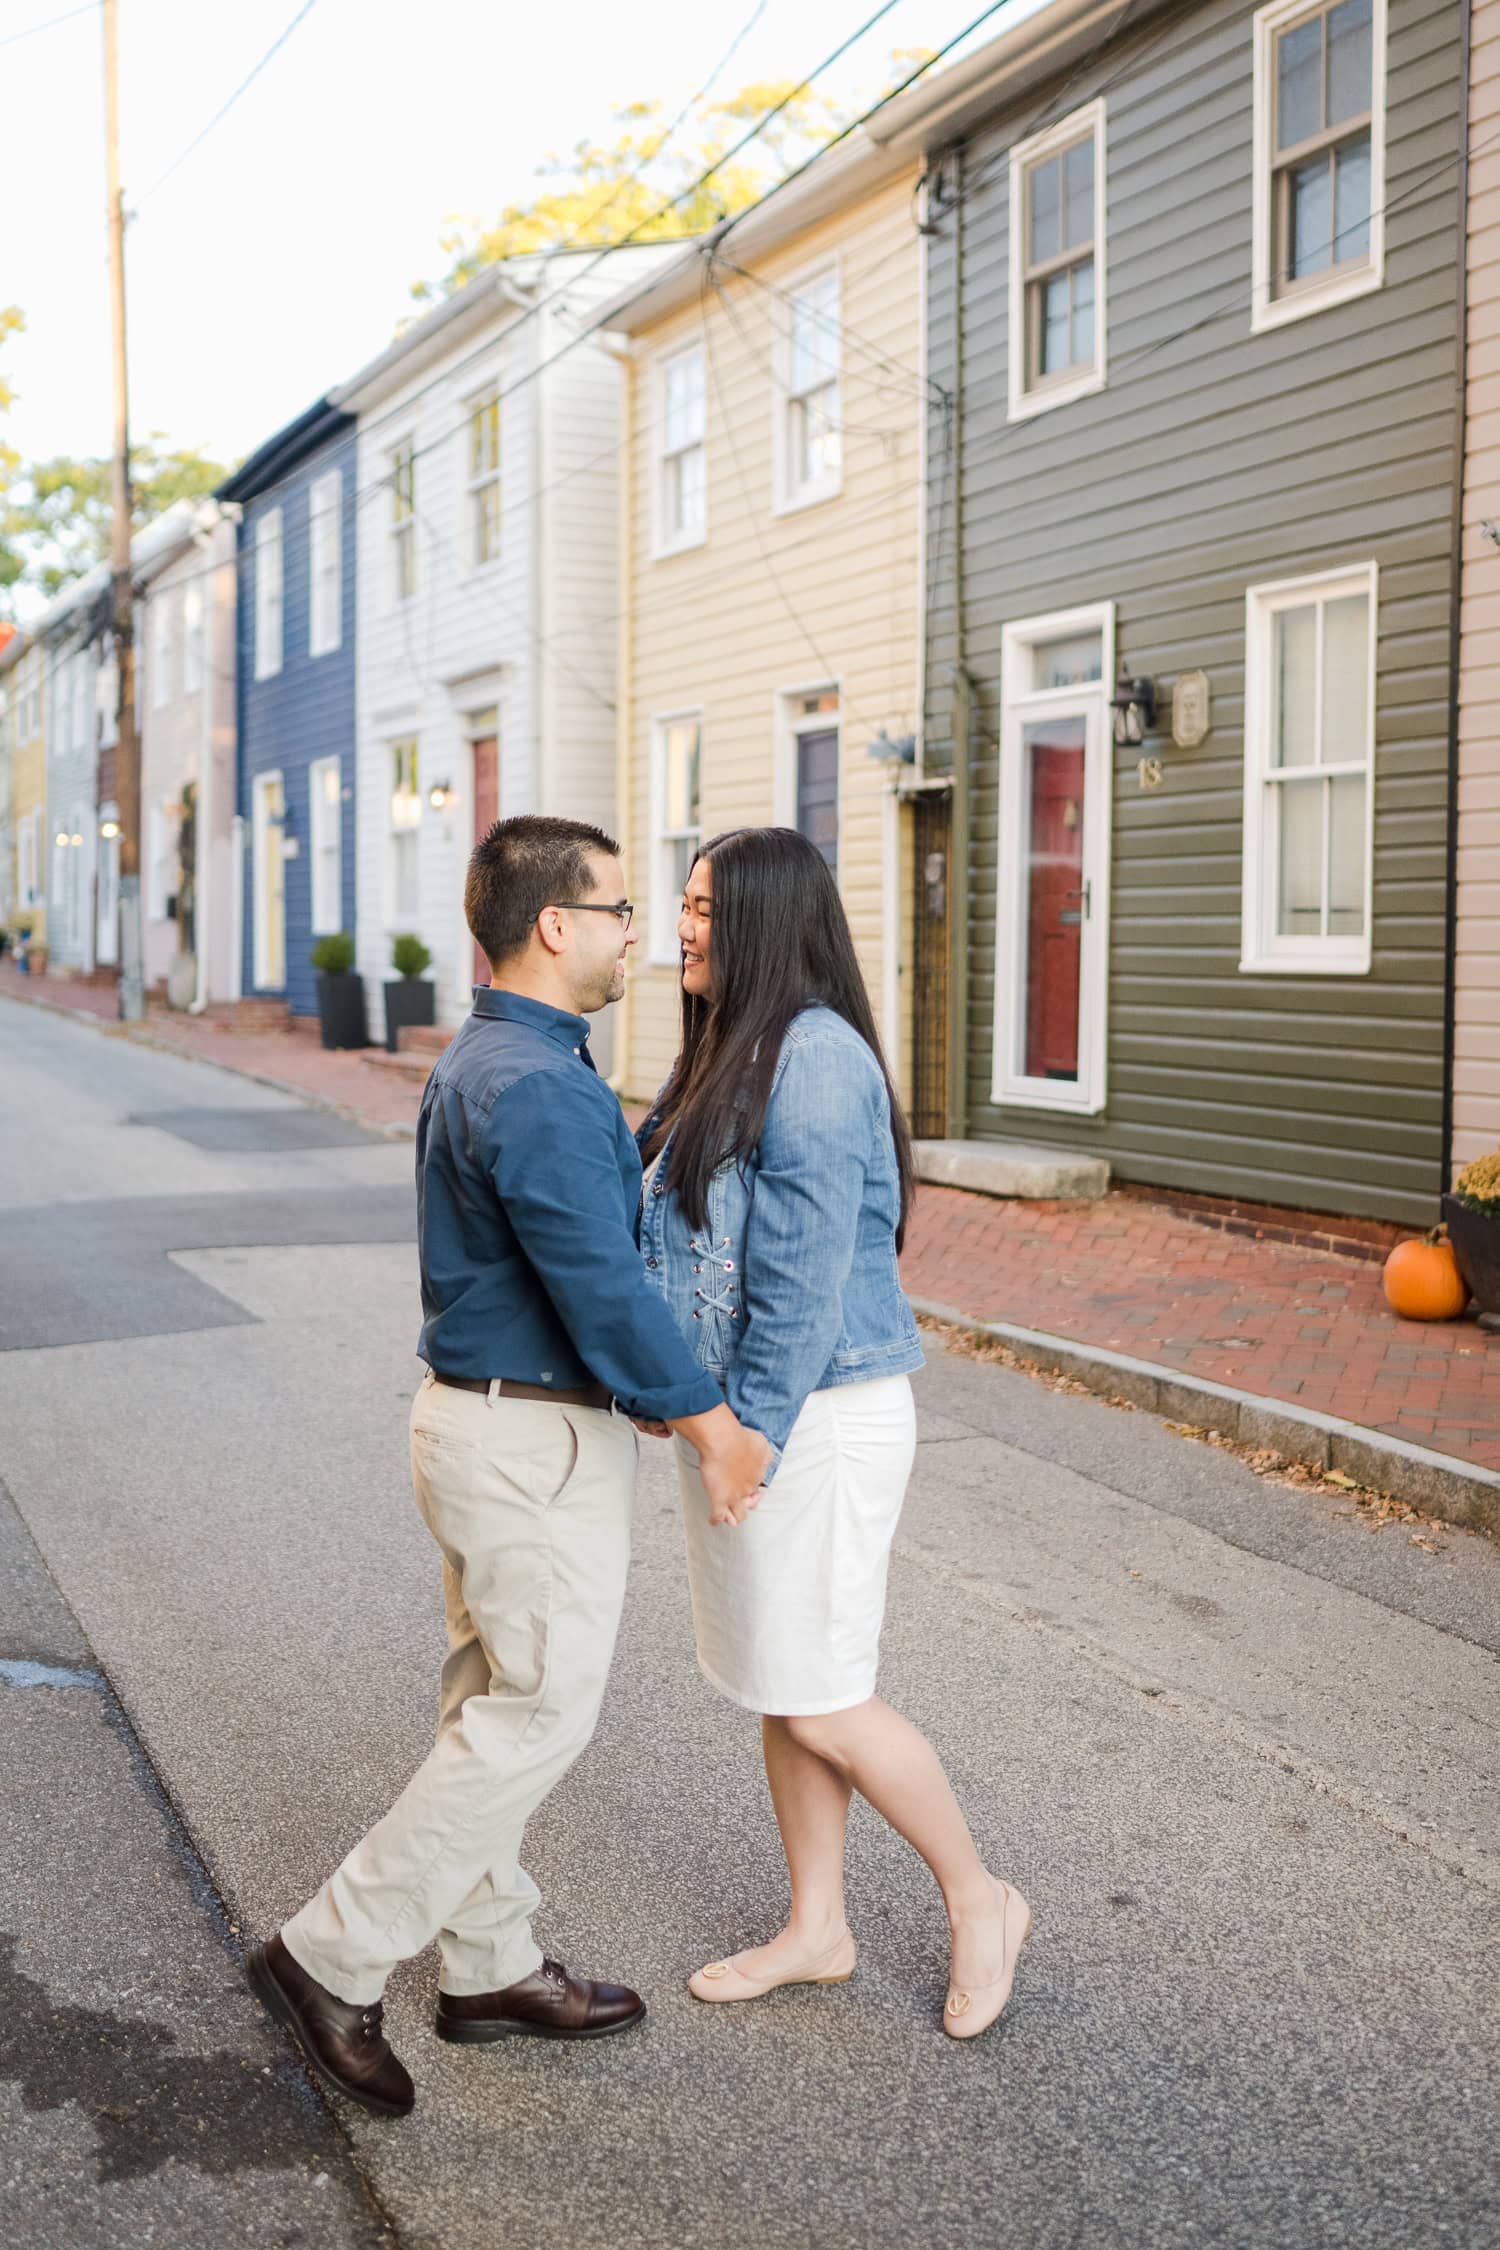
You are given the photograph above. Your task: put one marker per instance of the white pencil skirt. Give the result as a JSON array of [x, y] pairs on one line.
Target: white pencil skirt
[[788, 1605]]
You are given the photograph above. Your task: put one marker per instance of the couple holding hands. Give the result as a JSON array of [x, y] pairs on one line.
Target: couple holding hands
[[727, 1279]]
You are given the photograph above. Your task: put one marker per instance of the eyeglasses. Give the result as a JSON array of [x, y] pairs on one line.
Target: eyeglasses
[[622, 912]]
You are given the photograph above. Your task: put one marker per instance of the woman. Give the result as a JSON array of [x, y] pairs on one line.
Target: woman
[[779, 1176]]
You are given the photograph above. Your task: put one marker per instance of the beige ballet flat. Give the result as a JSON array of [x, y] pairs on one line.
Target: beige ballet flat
[[969, 2013], [721, 1980]]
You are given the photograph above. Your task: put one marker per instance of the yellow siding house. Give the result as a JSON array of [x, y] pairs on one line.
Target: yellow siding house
[[25, 665], [769, 641]]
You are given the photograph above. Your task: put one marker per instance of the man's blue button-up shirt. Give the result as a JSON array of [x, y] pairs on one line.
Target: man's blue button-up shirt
[[528, 1203]]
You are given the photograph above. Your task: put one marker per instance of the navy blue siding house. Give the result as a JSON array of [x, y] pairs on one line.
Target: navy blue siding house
[[295, 673]]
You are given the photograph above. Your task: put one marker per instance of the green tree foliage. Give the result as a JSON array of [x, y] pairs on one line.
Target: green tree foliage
[[599, 194], [55, 515], [12, 322]]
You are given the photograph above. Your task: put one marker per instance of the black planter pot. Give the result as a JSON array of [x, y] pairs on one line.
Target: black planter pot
[[341, 1010], [1475, 1237], [409, 1003]]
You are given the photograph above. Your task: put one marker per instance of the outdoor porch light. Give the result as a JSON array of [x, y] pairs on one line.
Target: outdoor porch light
[[62, 836], [109, 829], [902, 749], [1134, 704], [440, 795]]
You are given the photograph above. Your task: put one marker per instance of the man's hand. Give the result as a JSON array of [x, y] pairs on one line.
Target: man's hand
[[652, 1429], [731, 1460]]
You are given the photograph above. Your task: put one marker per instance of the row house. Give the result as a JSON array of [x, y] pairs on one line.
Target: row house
[[295, 671], [485, 535], [74, 639], [22, 679], [770, 640], [1192, 301]]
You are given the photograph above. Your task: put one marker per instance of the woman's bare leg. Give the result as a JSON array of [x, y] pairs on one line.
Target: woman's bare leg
[[811, 1799]]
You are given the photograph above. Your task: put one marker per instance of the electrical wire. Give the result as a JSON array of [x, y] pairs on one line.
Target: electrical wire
[[14, 38], [223, 111]]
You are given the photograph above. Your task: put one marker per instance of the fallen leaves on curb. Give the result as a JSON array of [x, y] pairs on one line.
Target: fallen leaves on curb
[[1377, 1510]]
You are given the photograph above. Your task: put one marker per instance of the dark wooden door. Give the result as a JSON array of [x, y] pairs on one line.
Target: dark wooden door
[[1055, 897], [486, 813]]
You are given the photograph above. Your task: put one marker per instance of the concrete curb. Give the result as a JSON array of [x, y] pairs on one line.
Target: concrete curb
[[1440, 1484], [140, 1035]]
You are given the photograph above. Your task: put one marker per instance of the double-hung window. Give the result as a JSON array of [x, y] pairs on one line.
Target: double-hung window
[[161, 648], [268, 595], [678, 823], [402, 893], [403, 483], [1057, 263], [484, 479], [325, 625], [1309, 772], [325, 798], [811, 432], [1319, 155], [680, 485]]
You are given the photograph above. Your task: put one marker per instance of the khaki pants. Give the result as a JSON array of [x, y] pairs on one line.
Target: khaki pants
[[530, 1504]]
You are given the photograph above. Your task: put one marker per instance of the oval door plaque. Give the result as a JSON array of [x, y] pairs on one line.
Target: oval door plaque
[[1190, 710]]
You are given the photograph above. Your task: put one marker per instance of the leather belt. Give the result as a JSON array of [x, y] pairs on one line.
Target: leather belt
[[555, 1394]]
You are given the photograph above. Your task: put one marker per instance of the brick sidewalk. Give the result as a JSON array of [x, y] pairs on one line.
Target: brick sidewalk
[[1306, 1326]]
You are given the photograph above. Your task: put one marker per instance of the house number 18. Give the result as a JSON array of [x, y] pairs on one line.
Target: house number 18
[[1148, 773]]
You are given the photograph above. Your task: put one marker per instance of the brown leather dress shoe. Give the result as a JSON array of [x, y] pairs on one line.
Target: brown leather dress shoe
[[549, 2005], [343, 2043]]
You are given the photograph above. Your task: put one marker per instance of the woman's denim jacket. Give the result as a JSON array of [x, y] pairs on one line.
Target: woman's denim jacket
[[792, 1285]]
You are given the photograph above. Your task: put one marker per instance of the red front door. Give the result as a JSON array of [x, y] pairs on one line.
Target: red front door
[[486, 813], [1055, 896]]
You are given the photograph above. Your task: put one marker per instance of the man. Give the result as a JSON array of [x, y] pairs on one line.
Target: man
[[539, 1328]]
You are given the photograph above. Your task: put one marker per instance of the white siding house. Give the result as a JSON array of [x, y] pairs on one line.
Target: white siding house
[[81, 879], [489, 437]]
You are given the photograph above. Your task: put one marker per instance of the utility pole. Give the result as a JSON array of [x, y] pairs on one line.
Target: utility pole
[[128, 750]]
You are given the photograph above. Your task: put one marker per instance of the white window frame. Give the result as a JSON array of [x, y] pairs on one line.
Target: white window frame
[[192, 639], [269, 601], [325, 562], [161, 648], [1024, 399], [1262, 951], [159, 832], [477, 482], [266, 835], [789, 494], [28, 856], [401, 530], [1267, 310], [665, 898], [664, 540], [397, 917], [790, 725], [326, 845], [1020, 702]]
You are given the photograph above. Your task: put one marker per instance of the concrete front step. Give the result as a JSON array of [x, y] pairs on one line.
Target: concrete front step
[[415, 1067], [422, 1038], [1013, 1168]]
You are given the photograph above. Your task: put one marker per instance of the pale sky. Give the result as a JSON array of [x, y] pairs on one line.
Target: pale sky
[[279, 256]]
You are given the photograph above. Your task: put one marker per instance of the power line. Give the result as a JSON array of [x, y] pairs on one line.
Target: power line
[[14, 38], [223, 111]]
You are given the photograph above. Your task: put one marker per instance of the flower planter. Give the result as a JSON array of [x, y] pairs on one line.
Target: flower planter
[[1475, 1236], [410, 1002], [341, 1010]]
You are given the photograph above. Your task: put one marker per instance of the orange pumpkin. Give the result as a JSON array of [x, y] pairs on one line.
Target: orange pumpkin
[[1422, 1280]]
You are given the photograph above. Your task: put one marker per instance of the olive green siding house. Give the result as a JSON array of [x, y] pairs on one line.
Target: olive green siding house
[[1194, 293]]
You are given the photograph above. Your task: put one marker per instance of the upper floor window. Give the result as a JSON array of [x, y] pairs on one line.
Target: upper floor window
[[811, 441], [1319, 155], [484, 479], [268, 595], [161, 648], [403, 480], [677, 821], [325, 624], [1309, 772], [1057, 263], [192, 639], [680, 485]]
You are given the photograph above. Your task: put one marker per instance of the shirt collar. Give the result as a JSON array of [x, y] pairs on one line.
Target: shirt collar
[[514, 1007]]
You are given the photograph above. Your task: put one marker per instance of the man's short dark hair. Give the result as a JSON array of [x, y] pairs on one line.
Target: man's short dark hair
[[521, 866]]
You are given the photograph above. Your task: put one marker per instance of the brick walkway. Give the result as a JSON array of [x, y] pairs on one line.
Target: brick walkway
[[1270, 1317]]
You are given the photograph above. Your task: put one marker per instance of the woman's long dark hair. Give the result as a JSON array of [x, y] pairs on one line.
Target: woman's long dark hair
[[781, 943]]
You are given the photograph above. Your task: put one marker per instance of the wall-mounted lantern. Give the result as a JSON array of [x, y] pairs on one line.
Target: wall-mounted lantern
[[1134, 705], [109, 830], [893, 750], [441, 795]]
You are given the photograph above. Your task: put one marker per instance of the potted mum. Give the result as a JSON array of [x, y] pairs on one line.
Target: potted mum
[[341, 994], [1472, 1210], [409, 998]]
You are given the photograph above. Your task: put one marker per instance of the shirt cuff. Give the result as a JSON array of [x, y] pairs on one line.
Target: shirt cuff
[[675, 1400]]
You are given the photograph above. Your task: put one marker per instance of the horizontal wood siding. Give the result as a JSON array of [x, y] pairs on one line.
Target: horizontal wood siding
[[1476, 1029], [826, 595], [1215, 460]]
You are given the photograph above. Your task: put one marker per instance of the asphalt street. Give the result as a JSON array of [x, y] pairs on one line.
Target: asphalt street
[[1239, 1749]]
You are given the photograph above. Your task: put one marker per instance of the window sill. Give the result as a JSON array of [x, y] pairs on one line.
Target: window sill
[[687, 545], [811, 496], [1344, 964], [1025, 404], [1281, 311], [1037, 1094]]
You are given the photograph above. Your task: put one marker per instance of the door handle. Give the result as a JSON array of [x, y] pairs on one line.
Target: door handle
[[1086, 893]]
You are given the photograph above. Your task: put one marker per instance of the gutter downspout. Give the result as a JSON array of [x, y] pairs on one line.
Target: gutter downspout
[[1455, 620], [963, 719], [619, 1077]]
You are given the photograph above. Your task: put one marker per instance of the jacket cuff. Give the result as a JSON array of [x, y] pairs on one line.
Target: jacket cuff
[[674, 1400]]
